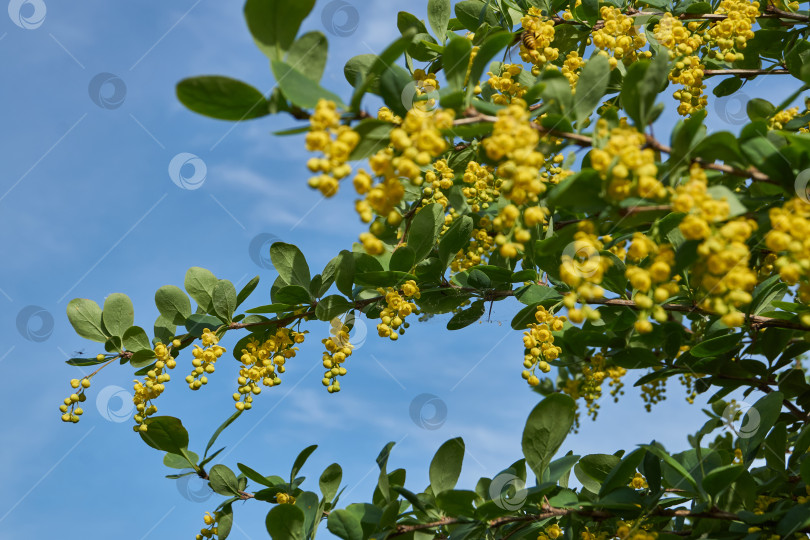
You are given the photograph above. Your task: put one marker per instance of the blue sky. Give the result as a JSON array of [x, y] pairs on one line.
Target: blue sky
[[87, 208]]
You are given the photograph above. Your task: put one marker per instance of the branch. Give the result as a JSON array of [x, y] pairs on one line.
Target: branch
[[586, 141], [744, 72], [550, 512]]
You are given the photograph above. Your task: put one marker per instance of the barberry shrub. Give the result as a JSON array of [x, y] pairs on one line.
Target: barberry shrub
[[518, 160]]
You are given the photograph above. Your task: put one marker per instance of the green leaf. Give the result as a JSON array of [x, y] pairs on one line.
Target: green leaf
[[332, 306], [345, 525], [717, 346], [224, 300], [591, 86], [197, 323], [456, 238], [290, 264], [222, 480], [398, 90], [492, 45], [593, 469], [286, 522], [308, 55], [727, 87], [300, 460], [224, 522], [330, 481], [468, 316], [471, 13], [641, 86], [181, 461], [403, 259], [246, 291], [546, 429], [425, 229], [456, 59], [85, 318], [222, 98], [344, 273], [165, 433], [256, 477], [118, 314], [173, 303], [438, 13], [275, 23], [720, 478], [620, 475], [293, 295], [797, 517], [387, 58], [199, 284], [164, 330], [220, 429], [534, 294], [445, 468], [669, 460], [374, 136], [298, 88], [385, 278], [736, 208], [142, 358], [135, 339], [758, 421]]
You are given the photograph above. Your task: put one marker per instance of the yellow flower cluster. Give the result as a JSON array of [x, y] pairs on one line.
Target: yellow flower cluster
[[571, 66], [426, 84], [153, 385], [514, 140], [539, 344], [338, 349], [506, 83], [478, 250], [681, 40], [387, 115], [731, 34], [204, 359], [722, 271], [689, 73], [788, 239], [437, 183], [336, 142], [701, 208], [618, 38], [628, 168], [284, 498], [480, 186], [535, 44], [511, 236], [652, 281], [638, 481], [413, 145], [779, 119], [624, 531], [552, 532], [392, 316], [70, 412], [589, 386], [262, 361], [210, 530], [582, 268]]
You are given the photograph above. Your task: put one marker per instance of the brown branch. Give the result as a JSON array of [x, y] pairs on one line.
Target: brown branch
[[751, 172], [744, 72], [550, 512], [641, 209]]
